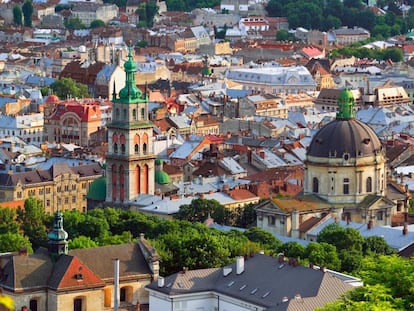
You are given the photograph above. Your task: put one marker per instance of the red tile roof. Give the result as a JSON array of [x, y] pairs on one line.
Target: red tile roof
[[78, 275]]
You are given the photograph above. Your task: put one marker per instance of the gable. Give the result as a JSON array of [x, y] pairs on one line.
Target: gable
[[70, 273]]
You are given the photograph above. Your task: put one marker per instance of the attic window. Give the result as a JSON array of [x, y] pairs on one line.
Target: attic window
[[230, 284], [366, 141], [79, 276], [28, 179], [254, 291], [318, 141], [243, 287]]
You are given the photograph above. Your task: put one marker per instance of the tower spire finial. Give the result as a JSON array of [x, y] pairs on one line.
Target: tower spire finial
[[346, 109]]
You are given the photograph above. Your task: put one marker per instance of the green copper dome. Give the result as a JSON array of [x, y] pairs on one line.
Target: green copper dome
[[57, 233], [158, 162], [162, 178], [97, 189], [346, 105], [130, 93]]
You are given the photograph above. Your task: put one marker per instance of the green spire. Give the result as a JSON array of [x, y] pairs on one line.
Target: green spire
[[130, 93], [345, 105]]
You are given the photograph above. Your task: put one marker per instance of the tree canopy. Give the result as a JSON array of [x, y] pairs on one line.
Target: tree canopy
[[329, 14], [67, 87], [27, 9], [97, 23], [17, 15]]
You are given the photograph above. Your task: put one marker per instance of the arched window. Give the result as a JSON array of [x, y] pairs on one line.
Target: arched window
[[113, 173], [144, 148], [369, 184], [125, 115], [346, 186], [136, 148], [115, 148], [315, 185], [123, 149], [143, 113], [116, 113], [134, 114]]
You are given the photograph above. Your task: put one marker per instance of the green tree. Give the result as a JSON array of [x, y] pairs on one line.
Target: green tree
[[8, 222], [27, 10], [199, 210], [67, 87], [146, 12], [292, 249], [81, 242], [142, 43], [95, 228], [74, 23], [263, 237], [17, 15], [282, 35], [12, 242], [376, 245], [97, 23], [245, 216], [342, 238], [350, 260], [323, 254], [32, 219]]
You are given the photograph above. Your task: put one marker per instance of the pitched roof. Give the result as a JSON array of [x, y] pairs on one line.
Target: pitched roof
[[70, 273], [264, 282], [126, 253]]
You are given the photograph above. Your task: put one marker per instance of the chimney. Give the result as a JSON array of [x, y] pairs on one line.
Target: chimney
[[23, 251], [405, 229], [160, 281], [240, 265], [262, 154], [369, 225]]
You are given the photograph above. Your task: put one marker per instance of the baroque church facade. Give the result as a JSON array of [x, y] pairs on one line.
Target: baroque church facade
[[345, 178]]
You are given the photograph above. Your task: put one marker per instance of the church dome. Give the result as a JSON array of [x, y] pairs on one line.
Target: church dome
[[345, 137], [162, 177], [97, 190]]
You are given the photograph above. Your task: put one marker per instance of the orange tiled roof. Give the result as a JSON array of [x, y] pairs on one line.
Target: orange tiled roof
[[241, 194], [12, 204]]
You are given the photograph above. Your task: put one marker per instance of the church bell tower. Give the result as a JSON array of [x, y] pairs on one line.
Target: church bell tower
[[130, 159]]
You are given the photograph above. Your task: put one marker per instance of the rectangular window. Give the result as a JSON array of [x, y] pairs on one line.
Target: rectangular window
[[41, 191], [59, 201], [73, 187], [66, 200], [271, 220], [73, 199], [48, 190], [380, 215], [346, 185]]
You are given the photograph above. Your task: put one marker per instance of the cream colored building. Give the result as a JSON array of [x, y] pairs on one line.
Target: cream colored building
[[88, 12], [59, 188], [345, 177]]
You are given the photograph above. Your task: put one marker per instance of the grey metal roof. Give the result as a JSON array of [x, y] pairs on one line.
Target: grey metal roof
[[264, 283]]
